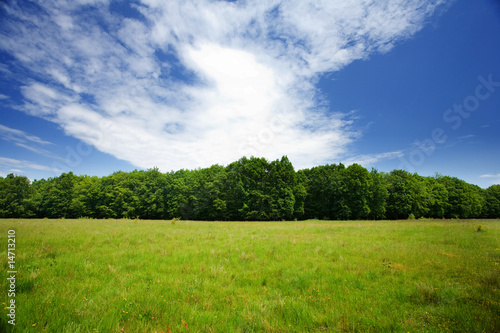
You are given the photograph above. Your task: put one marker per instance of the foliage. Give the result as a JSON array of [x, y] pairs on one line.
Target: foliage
[[15, 194], [251, 189], [492, 201]]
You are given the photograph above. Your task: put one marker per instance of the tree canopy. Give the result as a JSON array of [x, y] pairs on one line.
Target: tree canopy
[[250, 189]]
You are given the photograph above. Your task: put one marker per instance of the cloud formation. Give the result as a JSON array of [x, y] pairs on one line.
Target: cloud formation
[[19, 165], [493, 179], [18, 136], [490, 176], [29, 142], [368, 160], [186, 84]]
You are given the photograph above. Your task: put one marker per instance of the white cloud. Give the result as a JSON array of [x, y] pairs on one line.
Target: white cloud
[[492, 179], [371, 159], [490, 176], [18, 136], [37, 150], [26, 141], [242, 82], [20, 165]]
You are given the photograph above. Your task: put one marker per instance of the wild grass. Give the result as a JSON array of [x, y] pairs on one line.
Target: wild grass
[[186, 276]]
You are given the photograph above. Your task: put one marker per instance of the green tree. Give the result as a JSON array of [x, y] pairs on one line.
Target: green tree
[[326, 193], [492, 202], [209, 193], [15, 194], [281, 185], [464, 200], [421, 197], [180, 194], [85, 196], [235, 191], [358, 185], [378, 196], [56, 196], [255, 177], [400, 199], [149, 187], [249, 189], [118, 197], [300, 194], [438, 204], [318, 201]]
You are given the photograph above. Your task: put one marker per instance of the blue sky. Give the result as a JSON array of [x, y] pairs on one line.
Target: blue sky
[[97, 86]]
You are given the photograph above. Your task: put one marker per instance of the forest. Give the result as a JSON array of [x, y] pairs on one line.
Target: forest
[[250, 189]]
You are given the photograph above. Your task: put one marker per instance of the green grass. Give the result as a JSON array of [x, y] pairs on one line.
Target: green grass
[[156, 276]]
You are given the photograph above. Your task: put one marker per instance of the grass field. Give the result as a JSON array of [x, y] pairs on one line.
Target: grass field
[[156, 276]]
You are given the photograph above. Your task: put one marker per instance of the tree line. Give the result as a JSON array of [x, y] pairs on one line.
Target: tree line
[[250, 189]]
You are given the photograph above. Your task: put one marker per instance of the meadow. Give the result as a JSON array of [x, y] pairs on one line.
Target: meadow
[[309, 276]]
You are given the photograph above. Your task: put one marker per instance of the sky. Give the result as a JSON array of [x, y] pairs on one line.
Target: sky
[[98, 86]]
